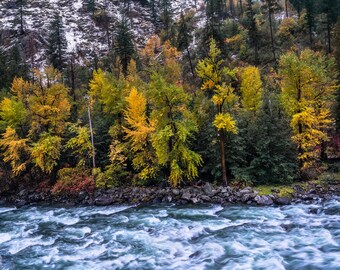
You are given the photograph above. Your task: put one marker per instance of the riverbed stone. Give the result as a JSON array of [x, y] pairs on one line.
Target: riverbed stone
[[283, 200], [263, 200], [207, 189], [175, 191], [103, 201], [186, 195]]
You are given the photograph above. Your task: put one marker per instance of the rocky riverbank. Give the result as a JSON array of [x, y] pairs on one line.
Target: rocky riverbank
[[205, 193]]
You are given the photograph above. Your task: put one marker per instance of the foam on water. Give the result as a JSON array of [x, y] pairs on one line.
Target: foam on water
[[172, 237]]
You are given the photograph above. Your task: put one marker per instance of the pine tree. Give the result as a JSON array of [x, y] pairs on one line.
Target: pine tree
[[154, 13], [271, 6], [124, 44], [331, 9], [166, 14], [253, 30], [16, 64], [310, 18], [184, 36], [21, 4], [91, 6], [336, 42], [263, 151], [57, 43]]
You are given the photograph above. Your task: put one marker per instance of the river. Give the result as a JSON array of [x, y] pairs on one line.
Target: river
[[302, 236]]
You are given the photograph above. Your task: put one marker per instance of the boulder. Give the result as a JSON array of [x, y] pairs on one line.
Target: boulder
[[195, 200], [205, 198], [207, 189], [246, 190], [103, 201], [283, 201], [186, 195], [175, 191], [263, 200]]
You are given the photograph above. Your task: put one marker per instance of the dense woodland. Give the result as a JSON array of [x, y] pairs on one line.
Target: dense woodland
[[254, 99]]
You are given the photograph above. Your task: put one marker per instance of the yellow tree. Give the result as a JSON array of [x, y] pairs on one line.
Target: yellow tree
[[16, 151], [48, 103], [251, 89], [46, 151], [217, 81], [139, 131], [80, 144], [308, 87]]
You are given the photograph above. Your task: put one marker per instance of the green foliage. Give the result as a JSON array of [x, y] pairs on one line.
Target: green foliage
[[80, 145], [124, 47], [174, 128], [308, 87], [263, 151], [46, 152], [57, 43], [12, 113]]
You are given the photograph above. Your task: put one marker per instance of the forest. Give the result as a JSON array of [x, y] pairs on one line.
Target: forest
[[251, 96]]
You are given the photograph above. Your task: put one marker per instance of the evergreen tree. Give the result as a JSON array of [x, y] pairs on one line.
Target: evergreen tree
[[215, 12], [331, 9], [270, 7], [298, 5], [91, 6], [16, 64], [184, 36], [263, 152], [336, 43], [57, 43], [166, 14], [253, 30], [310, 18], [154, 13], [123, 43], [21, 4]]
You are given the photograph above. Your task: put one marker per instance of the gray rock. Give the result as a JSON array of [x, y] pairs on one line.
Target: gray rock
[[103, 201], [186, 195], [283, 201], [195, 200], [205, 198], [20, 203], [246, 190], [263, 200], [175, 191], [207, 189], [23, 193]]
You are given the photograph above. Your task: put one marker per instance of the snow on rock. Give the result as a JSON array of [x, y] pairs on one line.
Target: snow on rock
[[84, 36]]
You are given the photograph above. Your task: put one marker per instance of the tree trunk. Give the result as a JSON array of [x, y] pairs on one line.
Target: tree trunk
[[329, 48], [241, 7], [286, 8], [271, 32], [21, 21], [190, 62], [223, 165]]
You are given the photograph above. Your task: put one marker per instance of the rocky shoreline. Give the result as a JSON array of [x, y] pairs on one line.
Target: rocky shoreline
[[206, 193]]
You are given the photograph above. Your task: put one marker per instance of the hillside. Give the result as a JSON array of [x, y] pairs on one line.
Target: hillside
[[85, 33]]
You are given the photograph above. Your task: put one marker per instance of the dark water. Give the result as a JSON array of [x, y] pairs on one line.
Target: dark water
[[171, 237]]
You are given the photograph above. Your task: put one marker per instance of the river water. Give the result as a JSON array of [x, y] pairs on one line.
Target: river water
[[171, 237]]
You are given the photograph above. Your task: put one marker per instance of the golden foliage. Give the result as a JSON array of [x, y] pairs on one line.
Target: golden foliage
[[46, 152], [251, 89], [16, 150]]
